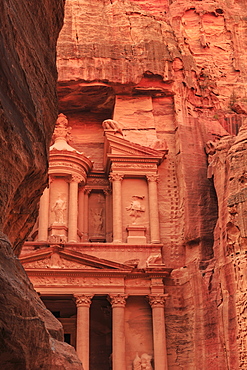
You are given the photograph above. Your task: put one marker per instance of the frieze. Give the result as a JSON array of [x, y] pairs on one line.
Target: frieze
[[133, 165], [67, 164], [103, 182], [48, 280], [59, 264]]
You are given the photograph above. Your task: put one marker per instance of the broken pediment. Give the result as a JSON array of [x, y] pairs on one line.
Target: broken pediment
[[118, 149], [56, 257]]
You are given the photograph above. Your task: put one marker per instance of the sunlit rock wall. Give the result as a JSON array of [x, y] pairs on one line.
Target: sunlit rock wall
[[173, 70], [30, 337]]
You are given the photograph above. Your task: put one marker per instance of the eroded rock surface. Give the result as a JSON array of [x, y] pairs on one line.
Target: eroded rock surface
[[173, 71], [30, 337]]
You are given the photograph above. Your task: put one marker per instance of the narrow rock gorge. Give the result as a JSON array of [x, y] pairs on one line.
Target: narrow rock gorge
[[152, 92], [30, 336]]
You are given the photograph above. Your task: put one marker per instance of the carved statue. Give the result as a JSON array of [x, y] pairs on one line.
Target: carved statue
[[97, 215], [143, 362], [154, 259], [146, 362], [137, 363], [111, 125], [58, 209], [62, 130], [135, 207]]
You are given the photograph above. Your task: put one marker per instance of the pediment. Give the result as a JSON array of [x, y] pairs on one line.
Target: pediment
[[56, 257], [117, 145]]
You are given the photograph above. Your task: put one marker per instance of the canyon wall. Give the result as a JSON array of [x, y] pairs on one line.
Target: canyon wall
[[174, 71], [30, 336]]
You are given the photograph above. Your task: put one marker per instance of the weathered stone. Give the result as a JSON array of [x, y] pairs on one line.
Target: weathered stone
[[30, 337]]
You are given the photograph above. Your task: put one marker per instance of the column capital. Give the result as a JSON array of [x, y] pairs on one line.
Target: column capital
[[157, 300], [83, 300], [152, 177], [107, 192], [116, 177], [76, 178], [118, 300], [87, 191]]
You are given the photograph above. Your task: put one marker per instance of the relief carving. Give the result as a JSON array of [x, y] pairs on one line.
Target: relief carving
[[59, 209], [61, 129], [154, 259], [97, 217], [136, 208], [111, 125], [143, 362], [57, 239]]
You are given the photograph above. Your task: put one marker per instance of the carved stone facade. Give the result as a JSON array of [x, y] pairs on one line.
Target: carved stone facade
[[97, 244]]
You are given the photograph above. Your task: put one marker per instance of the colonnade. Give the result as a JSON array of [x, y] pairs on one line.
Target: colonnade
[[118, 302], [80, 199]]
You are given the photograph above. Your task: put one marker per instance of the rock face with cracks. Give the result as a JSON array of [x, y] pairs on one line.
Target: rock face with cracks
[[175, 71], [30, 337]]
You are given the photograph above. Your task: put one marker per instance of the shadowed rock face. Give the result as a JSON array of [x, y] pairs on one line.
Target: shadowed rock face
[[30, 337], [27, 108]]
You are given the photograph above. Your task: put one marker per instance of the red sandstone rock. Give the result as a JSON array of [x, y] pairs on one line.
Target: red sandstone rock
[[30, 337], [178, 71]]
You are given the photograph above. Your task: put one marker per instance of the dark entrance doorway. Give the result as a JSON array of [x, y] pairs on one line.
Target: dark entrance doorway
[[100, 334]]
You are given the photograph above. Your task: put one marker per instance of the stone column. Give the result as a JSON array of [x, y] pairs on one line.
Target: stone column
[[153, 208], [117, 207], [81, 210], [44, 216], [83, 302], [73, 208], [118, 302], [86, 214], [157, 302], [108, 221]]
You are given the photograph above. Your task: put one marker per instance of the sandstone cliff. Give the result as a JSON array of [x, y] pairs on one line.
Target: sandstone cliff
[[30, 337], [173, 70]]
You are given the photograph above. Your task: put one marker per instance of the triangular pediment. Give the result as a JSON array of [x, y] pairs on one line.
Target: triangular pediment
[[59, 258], [117, 145]]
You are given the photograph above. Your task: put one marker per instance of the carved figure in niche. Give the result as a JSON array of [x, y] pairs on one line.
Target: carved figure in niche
[[97, 216], [135, 207], [59, 209], [146, 362], [111, 125], [137, 363], [143, 362]]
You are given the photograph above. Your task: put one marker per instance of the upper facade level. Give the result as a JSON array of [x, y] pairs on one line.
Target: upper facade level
[[117, 204]]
